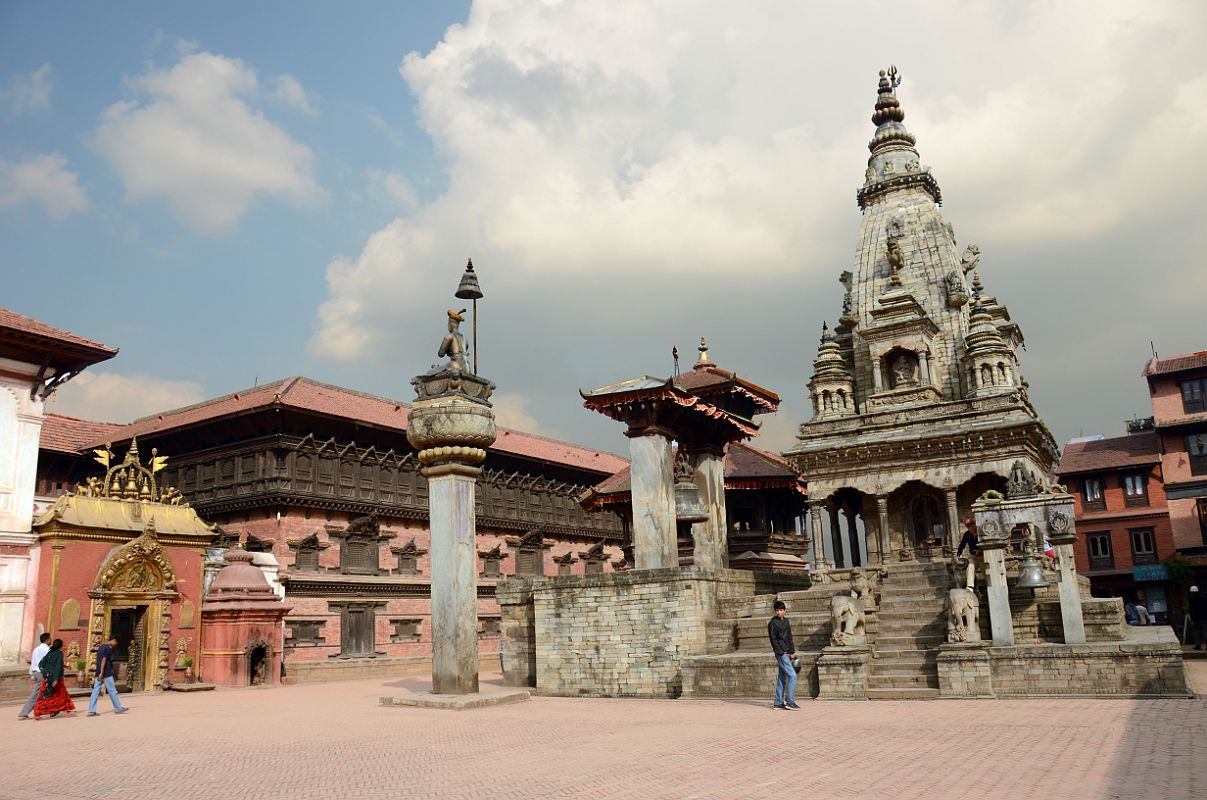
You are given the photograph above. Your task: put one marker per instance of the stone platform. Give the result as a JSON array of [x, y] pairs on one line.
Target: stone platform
[[486, 696]]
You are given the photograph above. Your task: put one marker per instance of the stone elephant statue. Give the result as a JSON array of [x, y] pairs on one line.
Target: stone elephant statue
[[963, 614], [846, 617]]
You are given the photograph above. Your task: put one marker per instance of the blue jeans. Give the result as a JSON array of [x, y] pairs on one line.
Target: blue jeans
[[96, 693], [785, 682]]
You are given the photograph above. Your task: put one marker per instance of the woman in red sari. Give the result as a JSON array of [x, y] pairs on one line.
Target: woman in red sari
[[54, 698]]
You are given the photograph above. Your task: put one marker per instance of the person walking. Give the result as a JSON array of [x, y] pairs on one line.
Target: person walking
[[104, 677], [1198, 617], [779, 630], [54, 699], [35, 674], [968, 540]]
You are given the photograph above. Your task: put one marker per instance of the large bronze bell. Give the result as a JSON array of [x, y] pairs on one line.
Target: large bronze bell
[[688, 507], [1031, 575]]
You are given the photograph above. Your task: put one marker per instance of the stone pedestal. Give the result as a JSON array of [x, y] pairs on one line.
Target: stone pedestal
[[1070, 596], [655, 540], [842, 673], [964, 671], [451, 431], [711, 551]]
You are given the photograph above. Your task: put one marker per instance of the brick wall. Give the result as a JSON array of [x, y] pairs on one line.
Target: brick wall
[[1119, 518]]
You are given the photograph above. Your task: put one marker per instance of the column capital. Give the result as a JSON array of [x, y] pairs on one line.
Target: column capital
[[450, 468], [637, 432]]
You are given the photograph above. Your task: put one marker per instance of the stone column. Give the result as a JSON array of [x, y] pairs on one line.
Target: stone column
[[711, 537], [655, 540], [924, 367], [877, 380], [819, 546], [953, 519], [993, 550], [1070, 595], [451, 431], [837, 541], [886, 550]]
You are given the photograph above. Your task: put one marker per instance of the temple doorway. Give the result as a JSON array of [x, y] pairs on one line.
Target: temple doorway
[[130, 657], [258, 665]]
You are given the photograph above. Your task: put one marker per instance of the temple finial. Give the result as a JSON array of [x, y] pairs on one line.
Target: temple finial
[[703, 348], [888, 108]]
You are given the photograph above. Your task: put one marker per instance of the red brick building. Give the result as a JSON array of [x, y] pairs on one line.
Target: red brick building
[[1178, 387], [323, 478], [1122, 520]]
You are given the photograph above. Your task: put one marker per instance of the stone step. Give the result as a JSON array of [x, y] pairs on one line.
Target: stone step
[[919, 642], [903, 694], [911, 630], [913, 659], [880, 681]]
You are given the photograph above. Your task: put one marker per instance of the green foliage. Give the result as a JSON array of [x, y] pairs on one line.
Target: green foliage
[[187, 661], [1180, 569], [80, 664]]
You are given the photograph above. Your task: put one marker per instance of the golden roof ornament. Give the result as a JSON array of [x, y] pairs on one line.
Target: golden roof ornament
[[130, 479]]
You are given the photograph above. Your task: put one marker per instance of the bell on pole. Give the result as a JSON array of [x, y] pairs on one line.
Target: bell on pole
[[469, 289]]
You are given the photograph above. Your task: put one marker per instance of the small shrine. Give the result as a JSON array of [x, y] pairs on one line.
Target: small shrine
[[243, 617]]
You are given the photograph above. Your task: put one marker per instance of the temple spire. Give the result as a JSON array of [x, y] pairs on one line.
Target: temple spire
[[894, 161]]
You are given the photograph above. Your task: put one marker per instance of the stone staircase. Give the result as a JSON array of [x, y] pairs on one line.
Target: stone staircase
[[912, 623]]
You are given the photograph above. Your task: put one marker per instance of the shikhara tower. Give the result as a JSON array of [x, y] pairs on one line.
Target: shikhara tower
[[919, 401]]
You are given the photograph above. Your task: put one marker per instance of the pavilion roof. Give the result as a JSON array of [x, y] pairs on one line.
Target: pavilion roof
[[1097, 455], [61, 434], [30, 340], [1172, 364]]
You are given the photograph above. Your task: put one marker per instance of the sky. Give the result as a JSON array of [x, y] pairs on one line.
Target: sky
[[233, 193]]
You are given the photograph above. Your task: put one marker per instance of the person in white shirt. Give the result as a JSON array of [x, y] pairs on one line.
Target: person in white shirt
[[35, 674]]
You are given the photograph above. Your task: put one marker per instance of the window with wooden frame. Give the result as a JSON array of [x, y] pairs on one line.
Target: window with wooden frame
[[1135, 488], [1196, 447], [1144, 549], [1098, 546], [359, 556], [1194, 395], [304, 632], [1092, 498], [405, 630]]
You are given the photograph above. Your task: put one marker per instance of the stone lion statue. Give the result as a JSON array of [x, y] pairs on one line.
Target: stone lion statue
[[963, 613], [846, 616]]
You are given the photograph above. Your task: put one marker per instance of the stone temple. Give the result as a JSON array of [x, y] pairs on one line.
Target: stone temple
[[919, 401], [921, 418]]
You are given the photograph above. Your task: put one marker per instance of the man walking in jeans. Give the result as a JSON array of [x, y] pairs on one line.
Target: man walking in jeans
[[779, 630], [104, 677], [35, 674]]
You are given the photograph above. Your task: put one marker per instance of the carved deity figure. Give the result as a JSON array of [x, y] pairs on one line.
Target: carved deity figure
[[861, 589], [846, 618], [896, 260], [904, 370], [970, 259], [957, 292], [963, 613], [182, 648], [453, 346]]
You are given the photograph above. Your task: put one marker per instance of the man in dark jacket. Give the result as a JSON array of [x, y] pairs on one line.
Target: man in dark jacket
[[779, 630], [1198, 617]]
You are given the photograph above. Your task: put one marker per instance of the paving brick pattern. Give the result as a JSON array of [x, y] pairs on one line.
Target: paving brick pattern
[[333, 740]]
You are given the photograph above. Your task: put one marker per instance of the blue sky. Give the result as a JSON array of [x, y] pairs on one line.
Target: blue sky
[[183, 304], [240, 191]]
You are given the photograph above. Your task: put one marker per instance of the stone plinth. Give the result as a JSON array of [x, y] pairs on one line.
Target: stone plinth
[[485, 697], [964, 670], [451, 434], [242, 626], [842, 673], [625, 634]]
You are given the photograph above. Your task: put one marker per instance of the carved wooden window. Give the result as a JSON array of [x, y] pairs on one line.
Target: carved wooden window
[[528, 562], [593, 567], [359, 556], [306, 558], [1098, 545], [356, 631], [1144, 550], [1135, 489], [1194, 395], [490, 568], [1091, 494], [1196, 446], [254, 544], [405, 630], [490, 627], [305, 631]]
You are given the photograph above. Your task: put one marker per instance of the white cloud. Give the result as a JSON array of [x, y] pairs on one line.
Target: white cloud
[[41, 180], [28, 92], [113, 397], [632, 169], [392, 188], [511, 411], [289, 93], [192, 139]]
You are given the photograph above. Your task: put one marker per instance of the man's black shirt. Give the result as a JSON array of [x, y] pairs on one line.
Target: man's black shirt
[[780, 633]]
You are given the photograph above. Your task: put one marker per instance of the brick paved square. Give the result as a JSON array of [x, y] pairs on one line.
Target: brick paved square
[[334, 740]]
